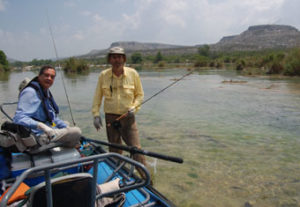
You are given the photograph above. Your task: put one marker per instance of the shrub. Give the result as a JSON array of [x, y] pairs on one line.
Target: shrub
[[204, 50], [161, 64], [201, 61], [275, 68], [4, 66], [292, 63], [136, 58], [73, 65], [219, 65], [240, 65]]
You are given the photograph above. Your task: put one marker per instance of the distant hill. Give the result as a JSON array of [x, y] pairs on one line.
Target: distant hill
[[131, 47], [255, 38], [258, 37]]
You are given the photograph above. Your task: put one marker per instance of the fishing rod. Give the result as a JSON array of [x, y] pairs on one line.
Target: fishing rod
[[160, 91], [59, 68], [133, 150]]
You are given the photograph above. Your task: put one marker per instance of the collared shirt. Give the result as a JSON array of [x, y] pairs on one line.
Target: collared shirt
[[120, 93], [30, 109]]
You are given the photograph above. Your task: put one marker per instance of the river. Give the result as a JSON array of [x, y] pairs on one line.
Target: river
[[239, 136]]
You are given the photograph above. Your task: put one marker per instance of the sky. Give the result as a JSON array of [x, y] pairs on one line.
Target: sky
[[79, 26]]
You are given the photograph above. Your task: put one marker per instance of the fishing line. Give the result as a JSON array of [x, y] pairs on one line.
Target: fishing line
[[148, 99], [160, 91], [59, 68]]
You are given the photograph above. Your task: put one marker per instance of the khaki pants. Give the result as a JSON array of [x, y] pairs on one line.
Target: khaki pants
[[69, 137], [128, 132]]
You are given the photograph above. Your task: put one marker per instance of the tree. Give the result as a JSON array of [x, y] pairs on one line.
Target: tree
[[204, 50], [41, 62], [136, 58], [73, 65], [158, 57], [201, 61], [3, 61]]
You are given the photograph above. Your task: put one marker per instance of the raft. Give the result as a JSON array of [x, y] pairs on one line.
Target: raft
[[87, 176]]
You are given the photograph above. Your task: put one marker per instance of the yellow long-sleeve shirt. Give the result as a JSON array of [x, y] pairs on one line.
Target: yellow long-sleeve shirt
[[120, 93]]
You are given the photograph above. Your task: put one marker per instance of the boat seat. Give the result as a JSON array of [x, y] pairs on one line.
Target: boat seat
[[44, 148], [20, 139], [72, 190]]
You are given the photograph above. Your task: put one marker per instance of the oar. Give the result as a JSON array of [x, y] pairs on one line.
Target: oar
[[136, 150]]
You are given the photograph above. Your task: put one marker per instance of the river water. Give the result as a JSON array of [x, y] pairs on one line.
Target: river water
[[239, 136]]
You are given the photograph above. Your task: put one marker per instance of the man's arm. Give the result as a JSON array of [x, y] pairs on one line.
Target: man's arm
[[138, 93], [28, 105], [97, 98]]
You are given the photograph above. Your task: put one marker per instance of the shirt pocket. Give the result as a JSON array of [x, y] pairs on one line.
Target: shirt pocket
[[128, 90], [106, 91]]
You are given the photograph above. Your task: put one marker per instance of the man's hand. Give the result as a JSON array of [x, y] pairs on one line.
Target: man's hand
[[48, 130], [130, 112], [97, 122]]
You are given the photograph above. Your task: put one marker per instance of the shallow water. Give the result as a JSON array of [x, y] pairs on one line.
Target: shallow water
[[239, 136]]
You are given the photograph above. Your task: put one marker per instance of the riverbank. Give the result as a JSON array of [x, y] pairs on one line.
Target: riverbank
[[267, 62]]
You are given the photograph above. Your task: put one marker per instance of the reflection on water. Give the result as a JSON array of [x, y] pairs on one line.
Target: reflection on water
[[4, 76], [240, 141]]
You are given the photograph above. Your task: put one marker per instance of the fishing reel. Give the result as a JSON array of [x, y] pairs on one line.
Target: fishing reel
[[116, 124]]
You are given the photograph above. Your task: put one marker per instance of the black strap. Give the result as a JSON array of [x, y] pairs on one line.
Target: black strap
[[43, 96]]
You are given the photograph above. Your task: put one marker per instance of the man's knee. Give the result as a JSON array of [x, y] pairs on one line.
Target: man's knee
[[70, 136]]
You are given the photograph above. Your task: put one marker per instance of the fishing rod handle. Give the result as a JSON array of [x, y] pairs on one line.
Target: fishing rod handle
[[136, 150], [163, 157], [117, 119]]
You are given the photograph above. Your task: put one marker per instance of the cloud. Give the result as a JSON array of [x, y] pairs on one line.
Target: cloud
[[70, 4], [181, 22], [86, 13], [97, 18], [2, 5], [172, 10], [78, 36], [261, 5], [187, 22], [25, 45]]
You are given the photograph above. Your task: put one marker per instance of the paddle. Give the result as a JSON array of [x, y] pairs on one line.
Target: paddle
[[136, 150]]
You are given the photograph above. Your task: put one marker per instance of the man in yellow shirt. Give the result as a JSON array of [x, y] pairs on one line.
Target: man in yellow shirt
[[123, 92]]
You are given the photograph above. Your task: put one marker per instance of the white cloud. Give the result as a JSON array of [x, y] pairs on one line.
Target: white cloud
[[78, 36], [132, 21], [97, 18], [25, 45], [183, 22], [172, 10], [70, 4], [262, 5], [86, 13], [2, 5]]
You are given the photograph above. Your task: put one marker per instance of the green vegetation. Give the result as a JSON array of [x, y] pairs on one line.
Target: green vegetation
[[136, 58], [36, 62], [4, 66], [267, 62], [158, 58], [204, 51], [292, 63], [73, 65]]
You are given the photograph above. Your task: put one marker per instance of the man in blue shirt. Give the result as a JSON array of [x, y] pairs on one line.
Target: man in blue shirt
[[38, 111]]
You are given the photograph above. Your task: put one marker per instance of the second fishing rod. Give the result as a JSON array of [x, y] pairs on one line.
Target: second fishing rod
[[116, 122]]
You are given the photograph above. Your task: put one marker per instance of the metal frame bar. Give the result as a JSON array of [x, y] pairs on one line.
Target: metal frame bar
[[96, 159], [2, 109]]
